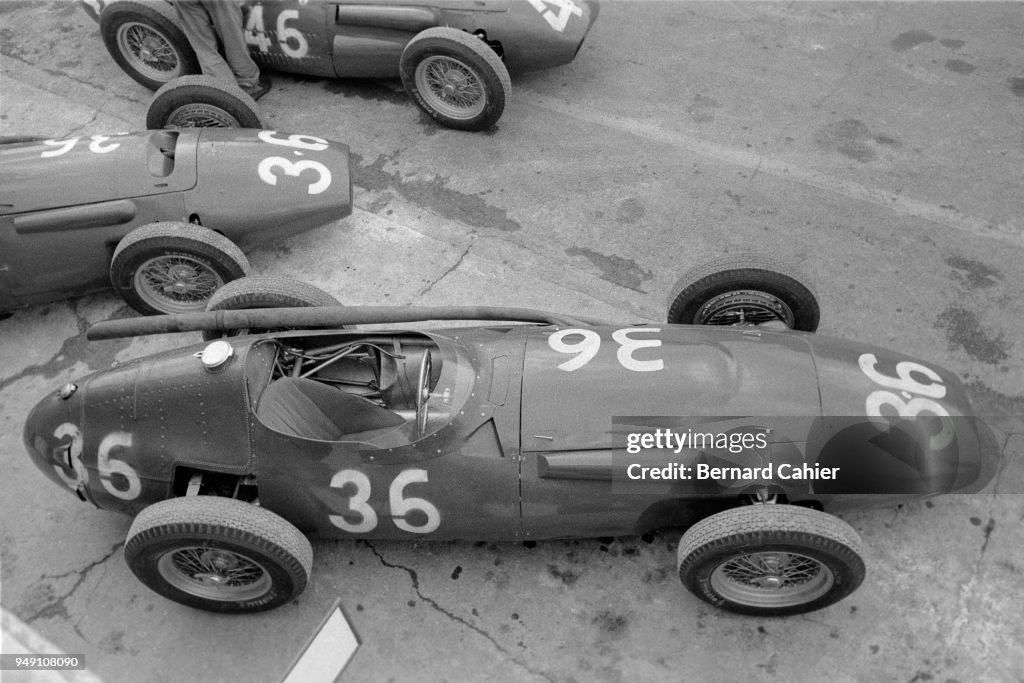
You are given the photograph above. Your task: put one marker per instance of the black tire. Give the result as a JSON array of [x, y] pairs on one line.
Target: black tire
[[264, 291], [456, 78], [745, 289], [146, 41], [170, 267], [771, 560], [201, 102], [218, 554]]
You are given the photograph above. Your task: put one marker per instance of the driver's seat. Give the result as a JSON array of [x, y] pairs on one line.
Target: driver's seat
[[314, 410]]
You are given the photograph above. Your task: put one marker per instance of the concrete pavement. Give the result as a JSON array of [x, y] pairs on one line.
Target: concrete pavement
[[879, 144]]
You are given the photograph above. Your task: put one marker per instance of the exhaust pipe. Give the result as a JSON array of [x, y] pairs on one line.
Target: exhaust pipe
[[320, 317]]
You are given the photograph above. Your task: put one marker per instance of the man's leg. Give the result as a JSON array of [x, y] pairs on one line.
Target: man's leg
[[227, 20], [199, 29]]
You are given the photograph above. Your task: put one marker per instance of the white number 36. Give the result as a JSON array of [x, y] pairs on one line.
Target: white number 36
[[295, 168], [586, 348]]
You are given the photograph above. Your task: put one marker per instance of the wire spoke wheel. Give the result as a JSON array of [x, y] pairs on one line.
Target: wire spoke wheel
[[771, 560], [772, 579], [456, 78], [177, 283], [218, 554], [201, 102], [451, 87], [214, 573], [745, 289], [201, 115], [148, 51], [745, 307], [169, 267]]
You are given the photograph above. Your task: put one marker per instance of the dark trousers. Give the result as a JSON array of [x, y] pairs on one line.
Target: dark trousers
[[203, 22]]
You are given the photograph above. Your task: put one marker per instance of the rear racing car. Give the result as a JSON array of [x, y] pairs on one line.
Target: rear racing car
[[453, 56], [163, 216], [526, 425]]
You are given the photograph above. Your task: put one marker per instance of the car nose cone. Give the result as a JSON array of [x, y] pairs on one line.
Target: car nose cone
[[53, 439]]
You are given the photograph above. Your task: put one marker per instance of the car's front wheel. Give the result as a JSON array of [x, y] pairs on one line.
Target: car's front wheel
[[456, 78], [146, 42], [218, 554], [169, 267], [201, 102], [771, 560]]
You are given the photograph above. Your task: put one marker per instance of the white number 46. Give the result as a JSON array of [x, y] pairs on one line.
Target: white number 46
[[557, 12]]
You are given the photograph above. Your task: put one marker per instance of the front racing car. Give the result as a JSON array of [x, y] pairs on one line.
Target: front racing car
[[749, 435]]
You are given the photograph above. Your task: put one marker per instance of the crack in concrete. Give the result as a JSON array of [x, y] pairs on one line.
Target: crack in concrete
[[56, 604], [757, 169], [75, 130], [415, 580], [446, 273], [967, 588], [107, 94], [75, 349], [850, 66]]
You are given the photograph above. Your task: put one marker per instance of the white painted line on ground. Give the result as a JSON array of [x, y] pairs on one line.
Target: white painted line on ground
[[327, 653], [1006, 232], [18, 638]]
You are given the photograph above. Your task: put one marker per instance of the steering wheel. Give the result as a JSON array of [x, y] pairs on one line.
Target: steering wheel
[[422, 394]]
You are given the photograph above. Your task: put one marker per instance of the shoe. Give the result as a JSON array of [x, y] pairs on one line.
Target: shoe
[[258, 90]]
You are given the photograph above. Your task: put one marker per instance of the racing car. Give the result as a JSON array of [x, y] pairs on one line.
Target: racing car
[[524, 425], [453, 56], [163, 216]]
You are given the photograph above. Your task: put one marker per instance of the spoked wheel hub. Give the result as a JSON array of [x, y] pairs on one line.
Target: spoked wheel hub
[[745, 307], [772, 579], [177, 283], [453, 83], [213, 573], [148, 51], [202, 115], [451, 87], [183, 279]]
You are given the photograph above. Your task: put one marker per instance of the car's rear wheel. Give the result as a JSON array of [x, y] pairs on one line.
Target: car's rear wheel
[[146, 42], [264, 291], [745, 289], [201, 102], [771, 560], [218, 554], [171, 267], [456, 78]]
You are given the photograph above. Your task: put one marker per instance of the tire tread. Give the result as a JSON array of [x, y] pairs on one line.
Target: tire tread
[[442, 36], [231, 518], [742, 265], [199, 88], [255, 291]]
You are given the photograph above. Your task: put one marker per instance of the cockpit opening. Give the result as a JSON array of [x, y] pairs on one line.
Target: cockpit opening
[[369, 389]]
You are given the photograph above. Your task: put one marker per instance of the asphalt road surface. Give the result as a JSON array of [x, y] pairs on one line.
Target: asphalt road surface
[[878, 144]]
